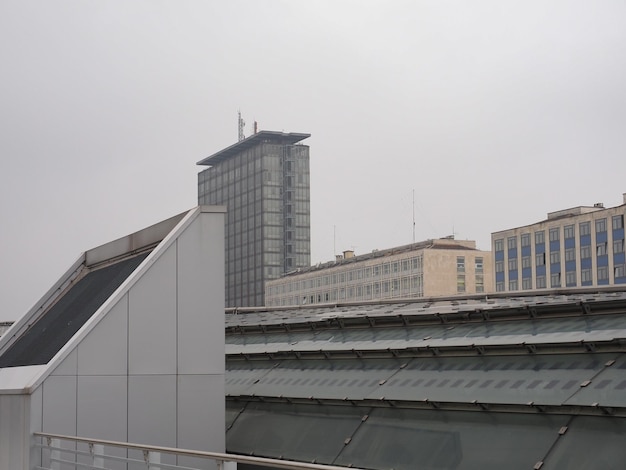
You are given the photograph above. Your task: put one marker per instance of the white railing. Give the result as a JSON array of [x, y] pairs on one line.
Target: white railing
[[67, 452]]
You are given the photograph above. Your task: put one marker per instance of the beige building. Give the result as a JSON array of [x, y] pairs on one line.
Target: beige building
[[440, 267], [578, 247]]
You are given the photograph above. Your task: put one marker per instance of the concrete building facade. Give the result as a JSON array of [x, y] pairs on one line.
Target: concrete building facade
[[263, 181], [440, 267], [578, 247]]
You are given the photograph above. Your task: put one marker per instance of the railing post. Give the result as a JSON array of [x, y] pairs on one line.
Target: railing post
[[152, 458], [54, 453], [226, 465], [97, 452]]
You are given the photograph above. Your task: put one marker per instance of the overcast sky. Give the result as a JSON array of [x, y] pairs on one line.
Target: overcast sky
[[490, 113]]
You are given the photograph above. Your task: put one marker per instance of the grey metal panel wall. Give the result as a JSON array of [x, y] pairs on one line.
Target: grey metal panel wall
[[104, 351], [144, 371], [101, 407], [13, 429], [152, 409], [200, 283], [152, 319], [201, 405]]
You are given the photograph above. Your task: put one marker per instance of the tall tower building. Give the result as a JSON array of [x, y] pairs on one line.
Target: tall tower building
[[263, 181]]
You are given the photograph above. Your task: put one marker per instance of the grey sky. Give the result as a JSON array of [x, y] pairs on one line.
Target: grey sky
[[493, 112]]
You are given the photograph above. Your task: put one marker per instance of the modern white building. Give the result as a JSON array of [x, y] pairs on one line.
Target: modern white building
[[440, 267], [578, 247], [128, 345]]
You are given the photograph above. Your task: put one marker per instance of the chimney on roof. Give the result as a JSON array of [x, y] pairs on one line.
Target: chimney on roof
[[348, 254], [624, 196], [338, 257]]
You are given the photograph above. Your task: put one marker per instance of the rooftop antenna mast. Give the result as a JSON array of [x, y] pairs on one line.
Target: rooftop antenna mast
[[414, 216], [241, 124]]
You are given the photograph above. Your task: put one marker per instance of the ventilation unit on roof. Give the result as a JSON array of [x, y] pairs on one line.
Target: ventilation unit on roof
[[599, 205]]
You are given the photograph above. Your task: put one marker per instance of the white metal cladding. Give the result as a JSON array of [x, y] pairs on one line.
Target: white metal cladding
[[135, 369]]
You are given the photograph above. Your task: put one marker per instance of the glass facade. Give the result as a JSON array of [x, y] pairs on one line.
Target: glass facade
[[266, 190]]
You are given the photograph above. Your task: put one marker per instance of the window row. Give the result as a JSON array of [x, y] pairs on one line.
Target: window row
[[554, 234]]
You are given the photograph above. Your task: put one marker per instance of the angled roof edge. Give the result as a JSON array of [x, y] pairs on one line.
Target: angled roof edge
[[177, 225]]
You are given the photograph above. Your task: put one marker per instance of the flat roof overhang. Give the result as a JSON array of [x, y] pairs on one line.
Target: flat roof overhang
[[289, 138]]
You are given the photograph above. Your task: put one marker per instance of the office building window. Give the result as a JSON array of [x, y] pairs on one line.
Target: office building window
[[585, 252], [585, 275], [460, 283], [603, 273], [525, 239], [478, 264], [601, 249], [527, 283], [570, 278], [513, 284], [555, 280], [620, 270], [512, 264], [526, 262], [499, 286], [568, 231], [618, 222], [480, 284], [555, 257], [540, 259], [498, 245], [460, 264], [541, 282], [499, 266], [540, 237], [555, 234], [570, 254], [511, 242], [584, 228], [618, 246], [600, 225]]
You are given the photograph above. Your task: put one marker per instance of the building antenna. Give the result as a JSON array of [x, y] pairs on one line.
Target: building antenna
[[413, 215], [241, 124]]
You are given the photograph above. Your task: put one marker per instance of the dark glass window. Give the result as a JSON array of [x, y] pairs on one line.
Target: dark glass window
[[555, 234], [525, 239], [512, 242], [584, 228], [539, 237]]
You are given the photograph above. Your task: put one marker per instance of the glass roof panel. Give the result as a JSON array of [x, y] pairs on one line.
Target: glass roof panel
[[293, 432], [608, 388], [542, 379], [572, 329], [590, 442], [437, 440], [241, 376], [56, 326], [334, 379]]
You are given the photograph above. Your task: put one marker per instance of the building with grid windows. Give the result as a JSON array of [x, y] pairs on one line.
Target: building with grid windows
[[263, 181], [578, 247], [440, 267]]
